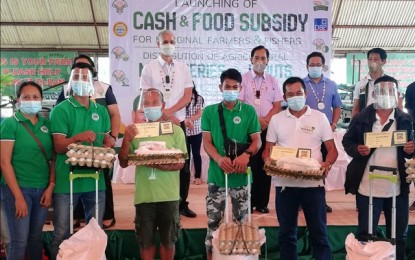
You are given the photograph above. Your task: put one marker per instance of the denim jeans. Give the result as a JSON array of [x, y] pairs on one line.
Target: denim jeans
[[61, 212], [385, 205], [313, 202], [26, 232]]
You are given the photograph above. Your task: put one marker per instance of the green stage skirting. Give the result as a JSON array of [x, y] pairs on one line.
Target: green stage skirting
[[122, 244]]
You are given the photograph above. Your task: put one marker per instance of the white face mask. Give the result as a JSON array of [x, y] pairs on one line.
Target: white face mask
[[259, 67], [167, 49], [374, 66]]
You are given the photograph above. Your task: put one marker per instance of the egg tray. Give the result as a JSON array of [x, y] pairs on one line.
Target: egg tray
[[148, 159], [90, 156]]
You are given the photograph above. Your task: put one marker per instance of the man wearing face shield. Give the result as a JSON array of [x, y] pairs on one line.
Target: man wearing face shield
[[363, 92], [77, 120], [156, 199], [381, 116], [173, 79], [260, 90]]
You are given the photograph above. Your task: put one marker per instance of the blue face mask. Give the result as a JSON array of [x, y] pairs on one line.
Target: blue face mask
[[296, 103], [82, 88], [30, 107], [315, 72], [230, 95], [153, 113]]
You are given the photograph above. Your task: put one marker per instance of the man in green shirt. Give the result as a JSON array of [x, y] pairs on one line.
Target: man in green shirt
[[77, 120], [156, 196], [242, 125]]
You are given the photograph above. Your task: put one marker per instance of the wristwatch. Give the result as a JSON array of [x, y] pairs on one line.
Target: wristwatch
[[249, 152]]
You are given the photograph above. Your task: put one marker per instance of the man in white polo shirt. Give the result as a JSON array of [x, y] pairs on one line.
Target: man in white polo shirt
[[173, 79], [301, 127]]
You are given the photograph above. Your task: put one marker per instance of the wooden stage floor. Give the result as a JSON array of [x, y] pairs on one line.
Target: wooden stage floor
[[344, 210]]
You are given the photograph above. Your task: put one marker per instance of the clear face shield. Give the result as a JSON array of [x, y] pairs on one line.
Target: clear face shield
[[386, 95], [80, 83], [151, 103]]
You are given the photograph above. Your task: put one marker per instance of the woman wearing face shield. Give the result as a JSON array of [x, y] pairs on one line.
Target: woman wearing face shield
[[77, 120], [28, 173], [381, 116]]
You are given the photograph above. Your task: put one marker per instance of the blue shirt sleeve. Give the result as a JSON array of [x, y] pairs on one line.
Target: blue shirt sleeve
[[109, 97]]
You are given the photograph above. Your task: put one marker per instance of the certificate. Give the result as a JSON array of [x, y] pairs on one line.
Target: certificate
[[375, 140], [399, 138], [279, 152], [148, 130]]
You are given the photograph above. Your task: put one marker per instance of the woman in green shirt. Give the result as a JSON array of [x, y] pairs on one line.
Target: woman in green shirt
[[28, 178]]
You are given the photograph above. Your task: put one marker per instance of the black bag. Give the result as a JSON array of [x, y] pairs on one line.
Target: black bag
[[233, 148]]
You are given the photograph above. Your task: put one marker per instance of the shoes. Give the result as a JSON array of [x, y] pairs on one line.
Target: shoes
[[110, 224], [262, 210], [198, 181], [328, 209], [187, 213], [412, 207]]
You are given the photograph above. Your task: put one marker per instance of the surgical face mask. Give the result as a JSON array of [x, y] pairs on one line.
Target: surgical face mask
[[230, 95], [374, 66], [30, 107], [81, 88], [386, 101], [259, 67], [296, 103], [153, 113], [167, 49], [315, 72]]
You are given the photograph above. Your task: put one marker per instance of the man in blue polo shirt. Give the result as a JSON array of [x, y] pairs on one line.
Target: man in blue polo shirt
[[322, 94]]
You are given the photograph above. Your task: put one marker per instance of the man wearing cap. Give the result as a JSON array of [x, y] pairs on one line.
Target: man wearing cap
[[77, 120], [380, 116]]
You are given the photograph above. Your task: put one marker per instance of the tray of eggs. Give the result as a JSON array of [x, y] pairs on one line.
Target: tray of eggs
[[90, 156]]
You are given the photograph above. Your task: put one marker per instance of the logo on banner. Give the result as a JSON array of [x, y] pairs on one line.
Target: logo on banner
[[120, 77], [119, 6], [321, 5], [119, 53], [120, 29], [320, 45], [321, 24]]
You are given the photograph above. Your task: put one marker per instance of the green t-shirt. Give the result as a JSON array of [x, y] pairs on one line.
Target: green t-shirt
[[240, 123], [29, 163], [165, 186], [70, 118]]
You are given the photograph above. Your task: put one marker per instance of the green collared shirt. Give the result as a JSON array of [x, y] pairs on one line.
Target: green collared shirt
[[29, 164], [241, 122], [70, 118]]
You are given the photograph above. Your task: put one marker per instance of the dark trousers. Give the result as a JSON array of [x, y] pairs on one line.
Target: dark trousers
[[184, 178], [287, 201], [261, 184], [385, 205], [109, 200], [193, 143]]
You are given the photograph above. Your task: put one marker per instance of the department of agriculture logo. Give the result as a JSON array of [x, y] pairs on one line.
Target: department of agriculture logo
[[321, 5], [95, 117], [119, 6], [120, 29], [236, 120], [320, 45], [44, 129]]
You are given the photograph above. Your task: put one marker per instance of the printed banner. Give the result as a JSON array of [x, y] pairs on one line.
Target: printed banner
[[212, 36]]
